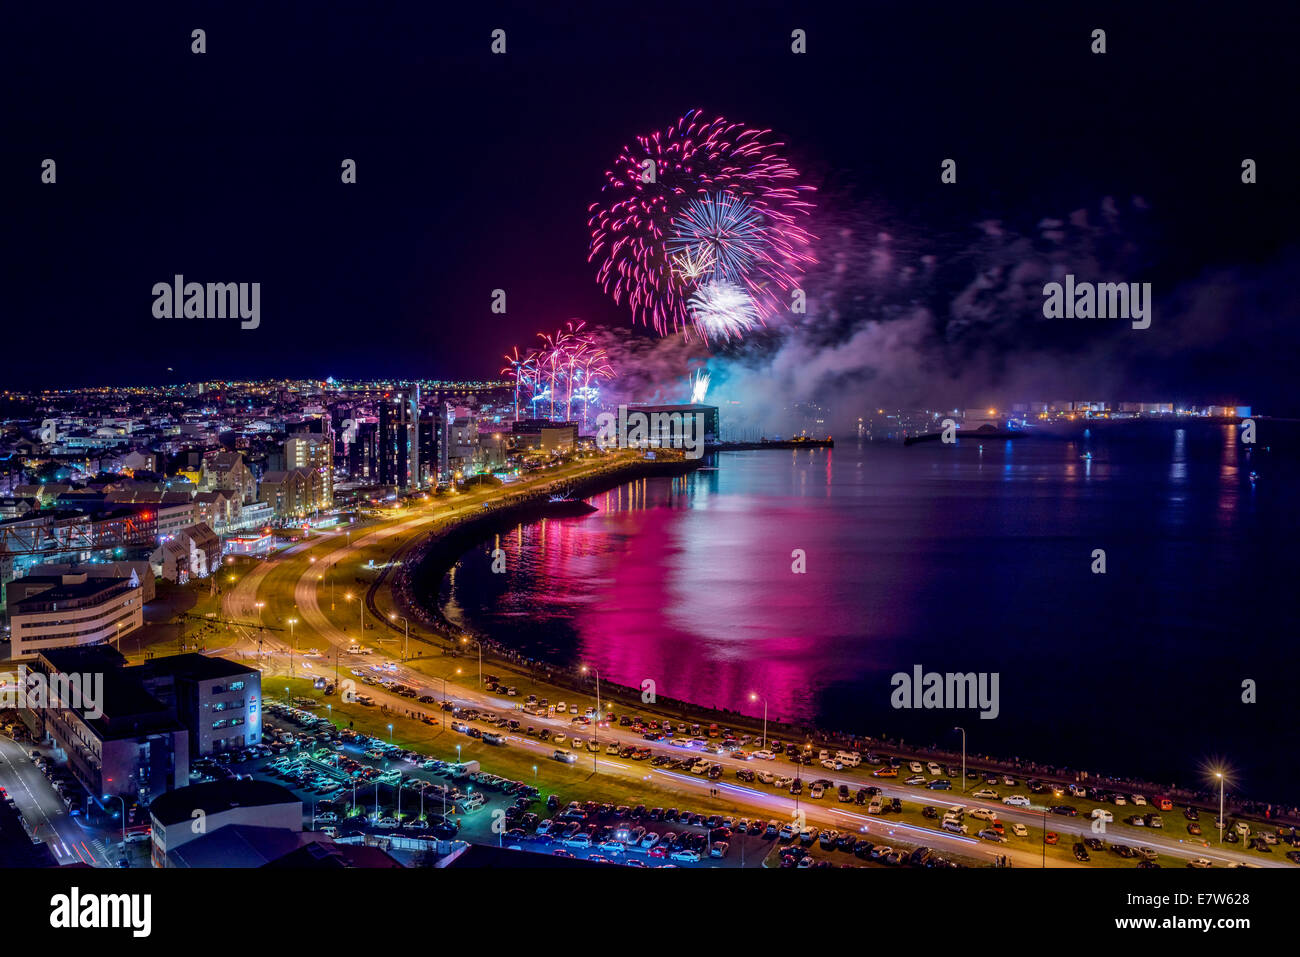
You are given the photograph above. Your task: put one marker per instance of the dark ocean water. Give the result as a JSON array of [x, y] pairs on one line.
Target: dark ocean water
[[957, 559]]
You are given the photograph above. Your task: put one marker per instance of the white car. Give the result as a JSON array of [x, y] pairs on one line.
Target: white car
[[1139, 800], [816, 791], [1198, 862], [915, 767], [1016, 800], [984, 793], [685, 855], [765, 755], [1019, 830], [1120, 800], [984, 814], [956, 827], [1101, 814], [934, 769]]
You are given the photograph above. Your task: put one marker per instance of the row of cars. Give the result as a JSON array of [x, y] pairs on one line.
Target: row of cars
[[613, 833], [65, 785]]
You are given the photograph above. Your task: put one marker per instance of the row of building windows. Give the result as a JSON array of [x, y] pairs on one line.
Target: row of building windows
[[222, 689], [35, 631]]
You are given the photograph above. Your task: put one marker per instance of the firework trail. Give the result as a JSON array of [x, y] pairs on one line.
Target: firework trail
[[703, 201], [568, 362], [699, 386]]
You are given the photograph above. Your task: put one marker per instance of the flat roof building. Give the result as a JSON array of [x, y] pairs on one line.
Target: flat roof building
[[220, 804], [76, 610], [218, 701], [119, 739]]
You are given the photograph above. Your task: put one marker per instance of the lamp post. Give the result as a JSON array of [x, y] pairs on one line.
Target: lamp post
[[466, 640], [963, 758], [1044, 837], [361, 606], [293, 643], [596, 734], [1219, 775], [390, 734], [406, 647], [259, 606], [754, 697], [109, 797]]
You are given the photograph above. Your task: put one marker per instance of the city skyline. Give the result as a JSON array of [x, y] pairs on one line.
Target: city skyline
[[414, 250]]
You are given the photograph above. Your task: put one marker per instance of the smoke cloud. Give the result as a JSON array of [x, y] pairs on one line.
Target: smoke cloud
[[955, 321]]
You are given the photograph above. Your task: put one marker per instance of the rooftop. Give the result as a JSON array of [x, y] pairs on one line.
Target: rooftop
[[217, 797]]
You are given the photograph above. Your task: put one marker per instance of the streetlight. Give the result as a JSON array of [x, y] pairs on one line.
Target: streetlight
[[259, 606], [361, 606], [599, 714], [109, 797], [1219, 775], [293, 643], [963, 759], [1044, 837], [754, 697], [390, 734], [406, 648], [466, 640]]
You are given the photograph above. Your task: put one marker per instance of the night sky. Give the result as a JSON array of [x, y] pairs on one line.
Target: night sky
[[475, 171]]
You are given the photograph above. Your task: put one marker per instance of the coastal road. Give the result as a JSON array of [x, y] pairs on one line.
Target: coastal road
[[305, 593]]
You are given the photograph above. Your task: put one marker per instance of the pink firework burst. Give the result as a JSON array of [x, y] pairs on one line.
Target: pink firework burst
[[645, 234]]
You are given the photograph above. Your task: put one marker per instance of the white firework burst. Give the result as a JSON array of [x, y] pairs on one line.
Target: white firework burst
[[722, 310]]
